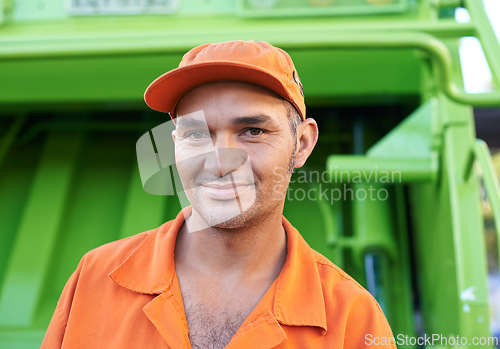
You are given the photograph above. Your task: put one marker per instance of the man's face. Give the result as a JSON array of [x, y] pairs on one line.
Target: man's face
[[233, 147]]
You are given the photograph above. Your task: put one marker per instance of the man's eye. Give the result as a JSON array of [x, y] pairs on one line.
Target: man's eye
[[255, 131], [197, 135]]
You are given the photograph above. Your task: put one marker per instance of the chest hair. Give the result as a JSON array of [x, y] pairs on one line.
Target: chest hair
[[212, 328]]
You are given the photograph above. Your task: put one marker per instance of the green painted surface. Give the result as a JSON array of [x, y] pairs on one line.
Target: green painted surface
[[124, 78], [37, 233]]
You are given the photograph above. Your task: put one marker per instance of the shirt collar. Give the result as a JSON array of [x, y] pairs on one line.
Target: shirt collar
[[299, 294], [150, 268], [298, 301]]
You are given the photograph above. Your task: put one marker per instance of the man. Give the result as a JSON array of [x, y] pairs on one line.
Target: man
[[230, 271]]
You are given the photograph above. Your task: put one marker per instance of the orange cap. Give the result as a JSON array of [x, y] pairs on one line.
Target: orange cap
[[257, 63]]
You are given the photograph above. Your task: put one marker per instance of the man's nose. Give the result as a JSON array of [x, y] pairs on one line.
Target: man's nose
[[222, 161]]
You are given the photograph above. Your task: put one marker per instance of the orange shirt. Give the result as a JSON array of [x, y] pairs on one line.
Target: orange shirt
[[125, 294]]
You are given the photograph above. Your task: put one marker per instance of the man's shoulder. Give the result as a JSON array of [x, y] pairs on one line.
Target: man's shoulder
[[330, 271], [113, 253], [351, 311], [337, 284]]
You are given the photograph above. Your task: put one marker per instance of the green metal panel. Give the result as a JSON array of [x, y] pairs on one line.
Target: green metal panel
[[289, 8], [38, 231], [124, 78], [450, 240]]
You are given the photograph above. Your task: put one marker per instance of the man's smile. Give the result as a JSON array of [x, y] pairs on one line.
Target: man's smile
[[226, 191]]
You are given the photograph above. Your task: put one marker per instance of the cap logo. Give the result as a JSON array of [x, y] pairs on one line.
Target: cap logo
[[298, 82]]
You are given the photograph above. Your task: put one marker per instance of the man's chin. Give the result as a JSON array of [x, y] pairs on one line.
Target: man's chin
[[222, 215], [225, 219], [233, 223]]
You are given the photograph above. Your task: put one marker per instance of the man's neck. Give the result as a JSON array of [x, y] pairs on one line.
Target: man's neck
[[254, 252]]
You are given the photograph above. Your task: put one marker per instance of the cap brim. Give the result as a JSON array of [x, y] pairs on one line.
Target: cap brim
[[164, 93]]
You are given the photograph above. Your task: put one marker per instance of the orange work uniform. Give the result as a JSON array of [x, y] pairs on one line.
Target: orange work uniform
[[125, 294]]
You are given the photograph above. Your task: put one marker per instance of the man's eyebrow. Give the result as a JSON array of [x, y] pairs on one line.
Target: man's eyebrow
[[251, 120], [189, 123]]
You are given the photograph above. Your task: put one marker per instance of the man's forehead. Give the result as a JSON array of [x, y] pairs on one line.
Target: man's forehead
[[231, 102], [198, 119], [195, 118]]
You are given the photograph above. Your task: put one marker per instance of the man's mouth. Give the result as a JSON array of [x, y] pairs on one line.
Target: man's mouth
[[226, 191]]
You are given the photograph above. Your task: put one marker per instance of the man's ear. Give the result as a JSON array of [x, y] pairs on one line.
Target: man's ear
[[307, 136], [174, 134]]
